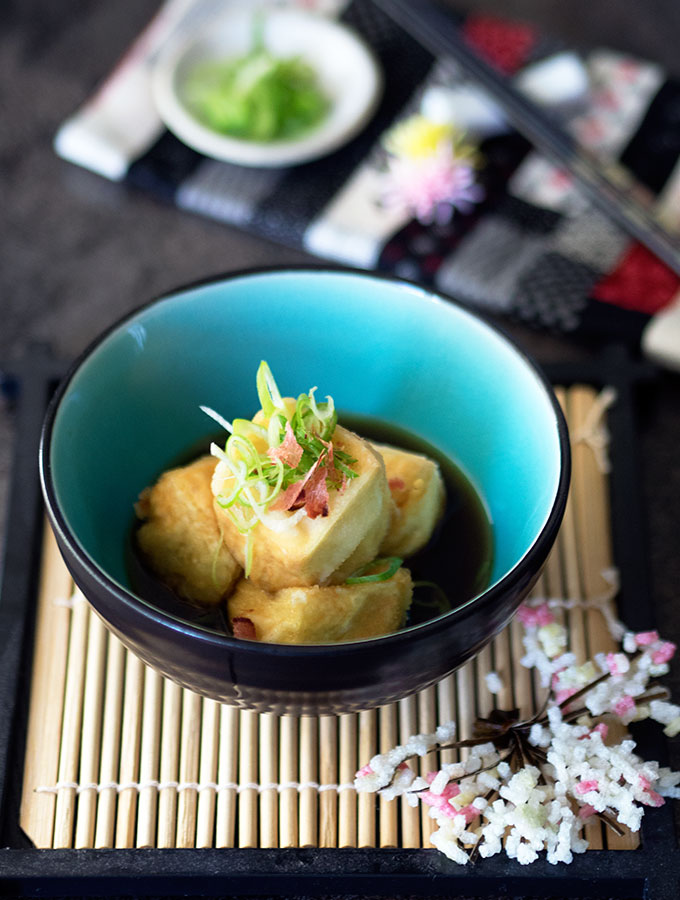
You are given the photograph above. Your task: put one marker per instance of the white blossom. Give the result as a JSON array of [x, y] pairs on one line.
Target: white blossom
[[494, 683], [535, 801]]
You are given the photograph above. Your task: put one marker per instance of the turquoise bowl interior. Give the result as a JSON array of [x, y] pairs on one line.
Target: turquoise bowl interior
[[381, 347]]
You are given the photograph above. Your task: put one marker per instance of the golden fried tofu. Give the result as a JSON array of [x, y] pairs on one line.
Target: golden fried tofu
[[418, 495], [310, 552], [180, 537], [312, 615]]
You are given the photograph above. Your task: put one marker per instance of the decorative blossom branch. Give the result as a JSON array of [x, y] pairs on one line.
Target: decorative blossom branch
[[529, 785]]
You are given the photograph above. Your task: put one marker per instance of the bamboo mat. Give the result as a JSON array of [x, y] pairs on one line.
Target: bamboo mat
[[117, 756]]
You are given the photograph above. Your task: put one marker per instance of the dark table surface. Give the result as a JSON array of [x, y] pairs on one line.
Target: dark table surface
[[77, 252]]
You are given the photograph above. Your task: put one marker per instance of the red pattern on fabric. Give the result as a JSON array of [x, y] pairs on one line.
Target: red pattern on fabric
[[506, 45], [640, 282]]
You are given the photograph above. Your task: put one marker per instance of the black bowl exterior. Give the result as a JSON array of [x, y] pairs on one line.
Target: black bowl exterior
[[305, 679], [278, 678]]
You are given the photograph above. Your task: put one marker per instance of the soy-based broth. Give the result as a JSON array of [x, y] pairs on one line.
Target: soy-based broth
[[456, 563]]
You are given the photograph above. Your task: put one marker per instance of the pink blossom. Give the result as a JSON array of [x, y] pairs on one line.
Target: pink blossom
[[544, 615], [663, 653], [564, 694], [470, 812], [586, 811], [624, 705], [617, 663], [365, 770], [432, 186], [556, 677], [535, 616], [583, 787], [601, 728], [653, 799], [440, 803], [451, 789], [644, 638]]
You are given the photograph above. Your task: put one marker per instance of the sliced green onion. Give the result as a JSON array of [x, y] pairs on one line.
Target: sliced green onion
[[218, 418], [325, 414], [440, 601], [243, 523], [255, 479], [267, 391], [298, 423], [225, 501], [276, 429], [273, 488], [248, 429], [242, 449], [217, 452], [311, 418], [391, 563]]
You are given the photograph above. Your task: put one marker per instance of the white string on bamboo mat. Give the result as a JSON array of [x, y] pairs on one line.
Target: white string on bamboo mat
[[594, 432], [191, 786], [69, 602]]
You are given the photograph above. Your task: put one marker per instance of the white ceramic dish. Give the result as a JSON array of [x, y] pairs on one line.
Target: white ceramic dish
[[347, 70]]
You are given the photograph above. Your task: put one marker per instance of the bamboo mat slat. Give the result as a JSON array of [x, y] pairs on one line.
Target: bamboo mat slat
[[119, 757]]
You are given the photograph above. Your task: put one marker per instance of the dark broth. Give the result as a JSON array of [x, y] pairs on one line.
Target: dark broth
[[456, 563], [454, 567]]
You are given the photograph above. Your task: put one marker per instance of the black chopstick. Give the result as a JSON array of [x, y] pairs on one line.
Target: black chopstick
[[609, 186]]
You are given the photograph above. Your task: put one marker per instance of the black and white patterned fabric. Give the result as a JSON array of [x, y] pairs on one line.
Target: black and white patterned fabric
[[533, 249]]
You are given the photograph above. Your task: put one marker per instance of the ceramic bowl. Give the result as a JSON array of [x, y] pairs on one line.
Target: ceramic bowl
[[346, 68], [129, 408]]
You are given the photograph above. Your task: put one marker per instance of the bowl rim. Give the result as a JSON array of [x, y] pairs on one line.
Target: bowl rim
[[537, 551], [320, 141]]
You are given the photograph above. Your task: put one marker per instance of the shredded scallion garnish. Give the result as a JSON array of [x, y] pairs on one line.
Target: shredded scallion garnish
[[387, 565], [267, 391], [282, 448], [438, 601]]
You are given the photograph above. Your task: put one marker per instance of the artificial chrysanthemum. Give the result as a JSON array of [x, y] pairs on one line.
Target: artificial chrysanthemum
[[417, 137], [431, 169]]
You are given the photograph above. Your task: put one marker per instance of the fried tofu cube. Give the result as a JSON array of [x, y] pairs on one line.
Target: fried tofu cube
[[310, 552], [418, 495], [180, 539], [313, 615]]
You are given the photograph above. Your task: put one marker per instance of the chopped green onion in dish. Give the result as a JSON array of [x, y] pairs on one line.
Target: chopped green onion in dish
[[258, 96], [387, 567], [281, 461]]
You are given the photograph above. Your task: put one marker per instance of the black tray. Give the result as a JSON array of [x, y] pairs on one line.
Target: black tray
[[653, 870]]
